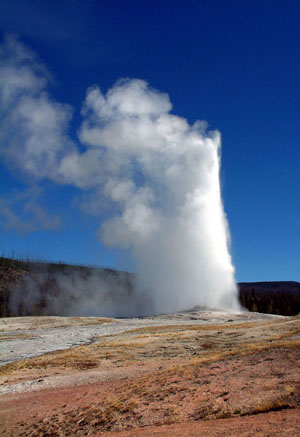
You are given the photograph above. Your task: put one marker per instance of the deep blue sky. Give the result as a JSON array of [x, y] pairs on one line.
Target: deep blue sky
[[235, 64]]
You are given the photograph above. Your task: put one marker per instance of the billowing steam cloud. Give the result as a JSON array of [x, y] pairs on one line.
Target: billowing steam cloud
[[159, 174]]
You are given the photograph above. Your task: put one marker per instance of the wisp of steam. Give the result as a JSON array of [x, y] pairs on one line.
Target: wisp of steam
[[157, 174]]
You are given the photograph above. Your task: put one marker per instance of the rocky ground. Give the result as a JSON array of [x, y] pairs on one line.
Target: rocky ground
[[189, 374]]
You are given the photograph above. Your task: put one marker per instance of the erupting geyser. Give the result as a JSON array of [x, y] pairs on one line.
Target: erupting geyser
[[159, 174]]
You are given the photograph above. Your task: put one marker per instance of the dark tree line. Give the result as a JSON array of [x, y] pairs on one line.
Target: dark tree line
[[20, 277], [281, 297]]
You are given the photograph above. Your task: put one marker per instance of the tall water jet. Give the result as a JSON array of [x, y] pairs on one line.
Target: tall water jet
[[157, 174], [167, 190]]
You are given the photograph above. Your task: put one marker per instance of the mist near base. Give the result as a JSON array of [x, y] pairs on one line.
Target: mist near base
[[156, 174], [68, 290]]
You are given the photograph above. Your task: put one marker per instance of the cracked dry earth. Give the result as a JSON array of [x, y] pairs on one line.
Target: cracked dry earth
[[188, 374]]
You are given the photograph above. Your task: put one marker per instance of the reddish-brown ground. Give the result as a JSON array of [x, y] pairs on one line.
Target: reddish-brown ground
[[257, 394], [227, 379]]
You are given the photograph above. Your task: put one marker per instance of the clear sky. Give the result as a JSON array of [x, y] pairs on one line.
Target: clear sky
[[233, 63]]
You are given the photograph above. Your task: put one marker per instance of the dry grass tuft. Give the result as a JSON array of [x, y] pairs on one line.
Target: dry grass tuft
[[15, 336], [48, 322], [280, 403]]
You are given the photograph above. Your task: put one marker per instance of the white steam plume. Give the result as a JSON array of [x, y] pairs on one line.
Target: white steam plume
[[159, 173]]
